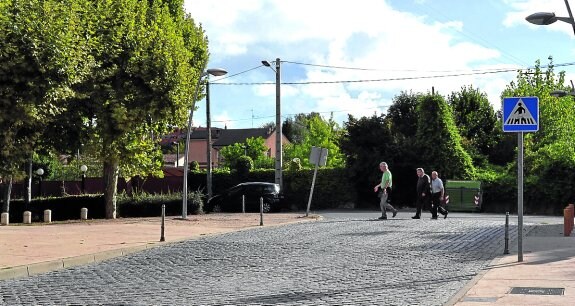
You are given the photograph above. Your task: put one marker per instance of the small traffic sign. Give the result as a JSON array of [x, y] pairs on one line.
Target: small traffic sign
[[521, 114]]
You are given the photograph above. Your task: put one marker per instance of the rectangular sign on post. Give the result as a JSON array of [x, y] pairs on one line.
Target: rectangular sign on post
[[318, 156], [521, 114]]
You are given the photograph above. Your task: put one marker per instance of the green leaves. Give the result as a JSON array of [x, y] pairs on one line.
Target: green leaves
[[438, 139]]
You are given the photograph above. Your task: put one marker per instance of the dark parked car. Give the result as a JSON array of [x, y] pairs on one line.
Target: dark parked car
[[231, 199]]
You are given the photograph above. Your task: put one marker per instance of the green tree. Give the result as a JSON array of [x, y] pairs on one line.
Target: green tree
[[402, 115], [146, 62], [320, 133], [549, 152], [438, 140], [39, 60], [367, 142], [295, 128], [477, 122], [402, 121], [254, 147], [243, 166]]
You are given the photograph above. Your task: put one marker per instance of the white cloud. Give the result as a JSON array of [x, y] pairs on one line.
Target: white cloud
[[369, 34]]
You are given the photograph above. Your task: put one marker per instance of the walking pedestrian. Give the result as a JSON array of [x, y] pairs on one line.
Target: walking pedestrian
[[423, 192], [437, 195], [384, 189]]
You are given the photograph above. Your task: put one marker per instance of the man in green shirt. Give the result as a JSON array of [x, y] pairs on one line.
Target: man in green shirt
[[384, 189]]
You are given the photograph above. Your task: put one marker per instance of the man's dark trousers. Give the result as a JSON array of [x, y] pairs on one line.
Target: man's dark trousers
[[420, 203], [436, 205]]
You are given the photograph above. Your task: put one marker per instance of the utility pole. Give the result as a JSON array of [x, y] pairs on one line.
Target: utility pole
[[278, 163], [279, 155]]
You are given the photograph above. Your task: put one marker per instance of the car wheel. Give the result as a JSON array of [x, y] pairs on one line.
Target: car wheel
[[267, 207], [217, 208]]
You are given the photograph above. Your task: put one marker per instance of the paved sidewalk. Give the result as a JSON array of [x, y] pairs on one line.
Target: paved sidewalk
[[37, 248], [548, 262]]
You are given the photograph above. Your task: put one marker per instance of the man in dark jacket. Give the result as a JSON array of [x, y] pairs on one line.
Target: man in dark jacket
[[423, 192]]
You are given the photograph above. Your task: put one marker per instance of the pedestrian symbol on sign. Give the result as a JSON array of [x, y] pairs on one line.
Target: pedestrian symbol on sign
[[520, 115]]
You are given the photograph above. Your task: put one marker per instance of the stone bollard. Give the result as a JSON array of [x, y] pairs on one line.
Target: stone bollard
[[5, 220], [27, 217], [48, 216], [84, 214]]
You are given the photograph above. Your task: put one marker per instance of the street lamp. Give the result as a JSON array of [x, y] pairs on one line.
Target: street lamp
[[546, 18], [214, 72], [278, 164], [83, 168], [177, 144], [40, 172]]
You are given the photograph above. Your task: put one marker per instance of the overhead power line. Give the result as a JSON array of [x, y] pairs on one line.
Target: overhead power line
[[448, 74], [309, 112]]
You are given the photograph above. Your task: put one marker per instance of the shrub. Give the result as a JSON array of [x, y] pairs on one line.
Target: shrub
[[244, 165], [194, 166]]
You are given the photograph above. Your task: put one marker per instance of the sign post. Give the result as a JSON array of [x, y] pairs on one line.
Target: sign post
[[520, 114], [318, 157]]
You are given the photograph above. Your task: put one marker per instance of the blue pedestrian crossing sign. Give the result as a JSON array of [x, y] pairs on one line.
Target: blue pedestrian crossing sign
[[521, 114]]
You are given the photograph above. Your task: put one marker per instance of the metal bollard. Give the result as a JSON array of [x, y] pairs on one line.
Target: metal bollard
[[243, 203], [162, 238], [571, 216], [47, 216], [84, 214], [506, 250], [5, 218], [261, 211], [27, 217]]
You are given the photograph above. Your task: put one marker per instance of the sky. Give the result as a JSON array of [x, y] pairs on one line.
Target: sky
[[353, 57]]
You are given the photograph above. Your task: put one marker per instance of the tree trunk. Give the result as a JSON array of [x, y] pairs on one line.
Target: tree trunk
[[111, 169], [6, 188]]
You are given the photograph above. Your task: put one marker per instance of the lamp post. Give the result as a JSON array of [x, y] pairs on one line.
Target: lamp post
[[209, 142], [40, 172], [83, 168], [177, 144], [546, 18], [278, 164], [214, 72]]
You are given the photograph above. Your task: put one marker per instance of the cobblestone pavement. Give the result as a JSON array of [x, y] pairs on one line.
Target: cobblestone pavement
[[337, 261]]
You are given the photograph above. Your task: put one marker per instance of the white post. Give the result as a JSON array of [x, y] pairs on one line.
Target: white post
[[47, 216], [27, 217], [5, 220], [84, 213]]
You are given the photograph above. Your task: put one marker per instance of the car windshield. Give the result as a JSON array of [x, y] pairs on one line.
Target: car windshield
[[271, 189]]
